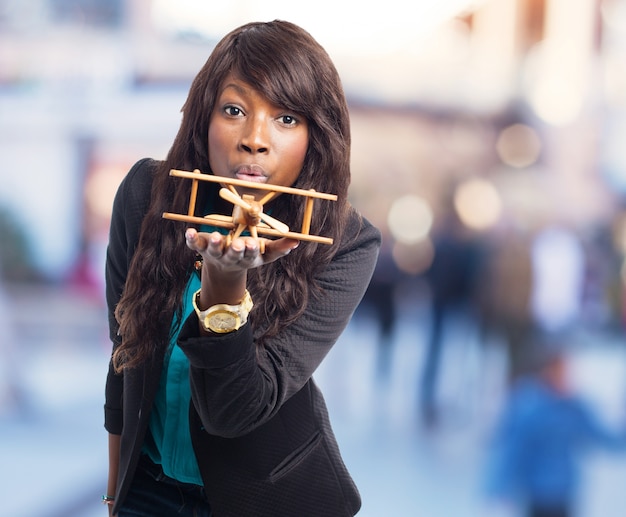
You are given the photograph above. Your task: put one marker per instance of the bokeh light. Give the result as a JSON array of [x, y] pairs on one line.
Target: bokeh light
[[410, 219], [414, 258], [518, 145], [478, 204]]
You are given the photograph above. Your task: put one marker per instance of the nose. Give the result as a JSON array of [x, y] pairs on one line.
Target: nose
[[255, 136]]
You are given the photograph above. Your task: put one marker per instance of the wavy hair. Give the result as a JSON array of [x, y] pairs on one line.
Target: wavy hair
[[284, 63]]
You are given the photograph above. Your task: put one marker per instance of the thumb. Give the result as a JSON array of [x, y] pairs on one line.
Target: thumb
[[279, 248]]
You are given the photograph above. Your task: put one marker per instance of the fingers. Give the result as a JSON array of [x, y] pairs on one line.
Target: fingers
[[205, 243], [241, 253], [215, 248], [194, 240]]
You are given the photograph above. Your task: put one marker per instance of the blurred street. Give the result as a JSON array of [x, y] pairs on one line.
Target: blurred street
[[53, 446], [487, 146]]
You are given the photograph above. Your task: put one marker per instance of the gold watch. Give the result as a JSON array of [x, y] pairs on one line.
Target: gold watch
[[223, 318]]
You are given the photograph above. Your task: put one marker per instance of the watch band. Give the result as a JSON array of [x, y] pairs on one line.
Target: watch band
[[223, 318]]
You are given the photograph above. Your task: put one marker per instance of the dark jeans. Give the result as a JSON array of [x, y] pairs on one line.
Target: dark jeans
[[548, 511], [153, 494]]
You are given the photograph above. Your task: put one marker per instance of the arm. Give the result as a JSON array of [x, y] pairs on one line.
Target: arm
[[129, 205], [114, 461], [237, 387], [595, 431]]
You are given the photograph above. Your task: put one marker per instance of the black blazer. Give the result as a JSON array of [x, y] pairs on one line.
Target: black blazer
[[259, 424]]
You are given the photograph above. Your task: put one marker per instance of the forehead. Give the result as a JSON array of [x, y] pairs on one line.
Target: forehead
[[231, 81], [271, 90], [237, 86]]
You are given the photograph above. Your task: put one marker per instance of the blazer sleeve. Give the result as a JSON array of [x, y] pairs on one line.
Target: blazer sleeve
[[237, 386], [129, 207]]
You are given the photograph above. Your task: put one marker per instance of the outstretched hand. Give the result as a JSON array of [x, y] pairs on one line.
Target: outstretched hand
[[243, 253]]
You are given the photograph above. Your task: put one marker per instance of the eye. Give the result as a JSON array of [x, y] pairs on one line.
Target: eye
[[233, 111], [288, 120]]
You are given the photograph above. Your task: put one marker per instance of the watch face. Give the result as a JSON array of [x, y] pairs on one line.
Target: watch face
[[223, 321]]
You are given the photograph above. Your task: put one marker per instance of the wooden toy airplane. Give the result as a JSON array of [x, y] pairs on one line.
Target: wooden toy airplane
[[247, 212]]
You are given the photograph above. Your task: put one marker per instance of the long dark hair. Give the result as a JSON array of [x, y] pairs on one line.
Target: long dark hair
[[291, 69]]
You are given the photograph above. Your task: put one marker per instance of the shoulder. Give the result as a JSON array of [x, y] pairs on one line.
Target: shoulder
[[359, 232], [133, 193], [359, 246], [138, 181]]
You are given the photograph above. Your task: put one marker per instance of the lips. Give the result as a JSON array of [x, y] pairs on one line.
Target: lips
[[254, 173]]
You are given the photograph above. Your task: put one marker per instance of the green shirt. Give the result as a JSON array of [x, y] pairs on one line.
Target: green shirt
[[169, 441]]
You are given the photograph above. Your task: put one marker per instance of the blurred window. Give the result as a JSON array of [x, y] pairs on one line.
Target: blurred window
[[99, 13]]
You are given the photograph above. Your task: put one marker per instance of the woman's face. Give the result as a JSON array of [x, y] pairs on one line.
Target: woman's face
[[254, 140]]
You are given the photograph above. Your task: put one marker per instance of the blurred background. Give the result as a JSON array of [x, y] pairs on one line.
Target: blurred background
[[487, 147]]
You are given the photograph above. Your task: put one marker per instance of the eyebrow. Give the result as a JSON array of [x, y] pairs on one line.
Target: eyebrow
[[236, 87]]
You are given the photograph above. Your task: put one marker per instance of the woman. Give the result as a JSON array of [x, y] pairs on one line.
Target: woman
[[206, 420]]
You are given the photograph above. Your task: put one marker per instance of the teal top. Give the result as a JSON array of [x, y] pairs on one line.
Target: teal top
[[169, 442]]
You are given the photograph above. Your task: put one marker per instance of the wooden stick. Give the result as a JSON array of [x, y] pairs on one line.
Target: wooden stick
[[252, 184], [234, 199], [253, 231], [239, 230], [192, 197], [308, 213], [260, 228], [267, 197]]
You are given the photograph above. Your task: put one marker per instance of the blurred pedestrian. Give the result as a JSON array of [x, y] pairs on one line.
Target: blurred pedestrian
[[380, 298], [14, 400], [505, 296], [452, 279], [534, 460]]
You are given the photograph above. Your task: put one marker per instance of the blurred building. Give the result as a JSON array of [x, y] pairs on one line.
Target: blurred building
[[519, 103]]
